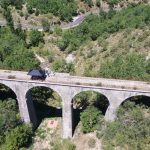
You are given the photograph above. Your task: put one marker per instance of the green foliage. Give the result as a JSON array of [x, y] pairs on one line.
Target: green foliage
[[17, 3], [148, 67], [8, 117], [113, 2], [130, 130], [91, 98], [8, 16], [41, 94], [89, 2], [98, 3], [35, 38], [130, 66], [60, 65], [13, 53], [107, 23], [90, 119], [46, 25], [18, 137], [64, 9], [58, 30]]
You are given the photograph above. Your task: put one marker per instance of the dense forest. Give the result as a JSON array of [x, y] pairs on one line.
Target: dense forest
[[64, 9], [14, 134], [99, 28], [107, 23], [13, 52]]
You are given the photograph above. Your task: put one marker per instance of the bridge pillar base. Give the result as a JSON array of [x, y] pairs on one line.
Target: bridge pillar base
[[67, 119], [110, 113], [26, 109]]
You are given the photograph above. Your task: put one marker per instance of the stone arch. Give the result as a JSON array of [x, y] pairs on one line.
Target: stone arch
[[99, 94], [11, 90], [139, 99], [30, 104]]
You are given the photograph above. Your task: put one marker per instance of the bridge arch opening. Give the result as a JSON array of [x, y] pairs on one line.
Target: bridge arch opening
[[129, 106], [85, 99], [138, 100], [45, 107], [6, 92]]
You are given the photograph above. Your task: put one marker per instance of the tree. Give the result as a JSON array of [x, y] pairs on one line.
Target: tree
[[8, 117], [35, 38], [21, 33], [16, 3], [18, 137], [8, 16], [61, 66], [90, 119], [46, 26], [98, 3], [148, 67], [13, 52]]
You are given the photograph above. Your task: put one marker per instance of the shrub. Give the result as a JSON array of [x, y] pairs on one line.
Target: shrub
[[18, 137], [61, 66], [35, 38], [130, 130], [46, 26], [130, 66], [90, 119]]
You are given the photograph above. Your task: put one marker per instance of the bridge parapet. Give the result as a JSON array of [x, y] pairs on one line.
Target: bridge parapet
[[80, 81]]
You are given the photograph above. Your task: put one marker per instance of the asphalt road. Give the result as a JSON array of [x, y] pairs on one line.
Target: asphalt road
[[29, 26]]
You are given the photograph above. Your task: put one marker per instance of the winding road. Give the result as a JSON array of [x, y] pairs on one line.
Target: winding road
[[73, 24]]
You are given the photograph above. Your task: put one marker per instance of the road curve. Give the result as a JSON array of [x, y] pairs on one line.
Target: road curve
[[73, 24]]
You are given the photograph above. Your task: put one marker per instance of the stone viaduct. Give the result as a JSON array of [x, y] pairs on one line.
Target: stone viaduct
[[116, 91]]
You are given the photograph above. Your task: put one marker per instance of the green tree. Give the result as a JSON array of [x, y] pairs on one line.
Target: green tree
[[9, 117], [13, 52], [61, 66], [98, 3], [36, 37], [18, 137], [46, 25], [8, 16], [90, 119]]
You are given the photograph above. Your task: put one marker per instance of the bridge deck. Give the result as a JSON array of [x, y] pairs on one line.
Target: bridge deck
[[77, 80]]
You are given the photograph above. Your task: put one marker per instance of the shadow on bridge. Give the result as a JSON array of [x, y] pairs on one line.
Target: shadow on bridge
[[43, 103], [44, 111]]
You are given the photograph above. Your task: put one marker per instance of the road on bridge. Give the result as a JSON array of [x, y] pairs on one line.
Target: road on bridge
[[60, 78]]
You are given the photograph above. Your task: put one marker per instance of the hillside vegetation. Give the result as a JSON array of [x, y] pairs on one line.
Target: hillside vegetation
[[107, 23], [65, 9], [112, 45], [13, 52]]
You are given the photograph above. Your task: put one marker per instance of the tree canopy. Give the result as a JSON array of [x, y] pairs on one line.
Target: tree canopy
[[13, 52], [64, 9]]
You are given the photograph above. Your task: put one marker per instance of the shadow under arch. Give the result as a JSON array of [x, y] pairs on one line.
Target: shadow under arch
[[84, 99], [6, 92], [138, 100], [41, 102]]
